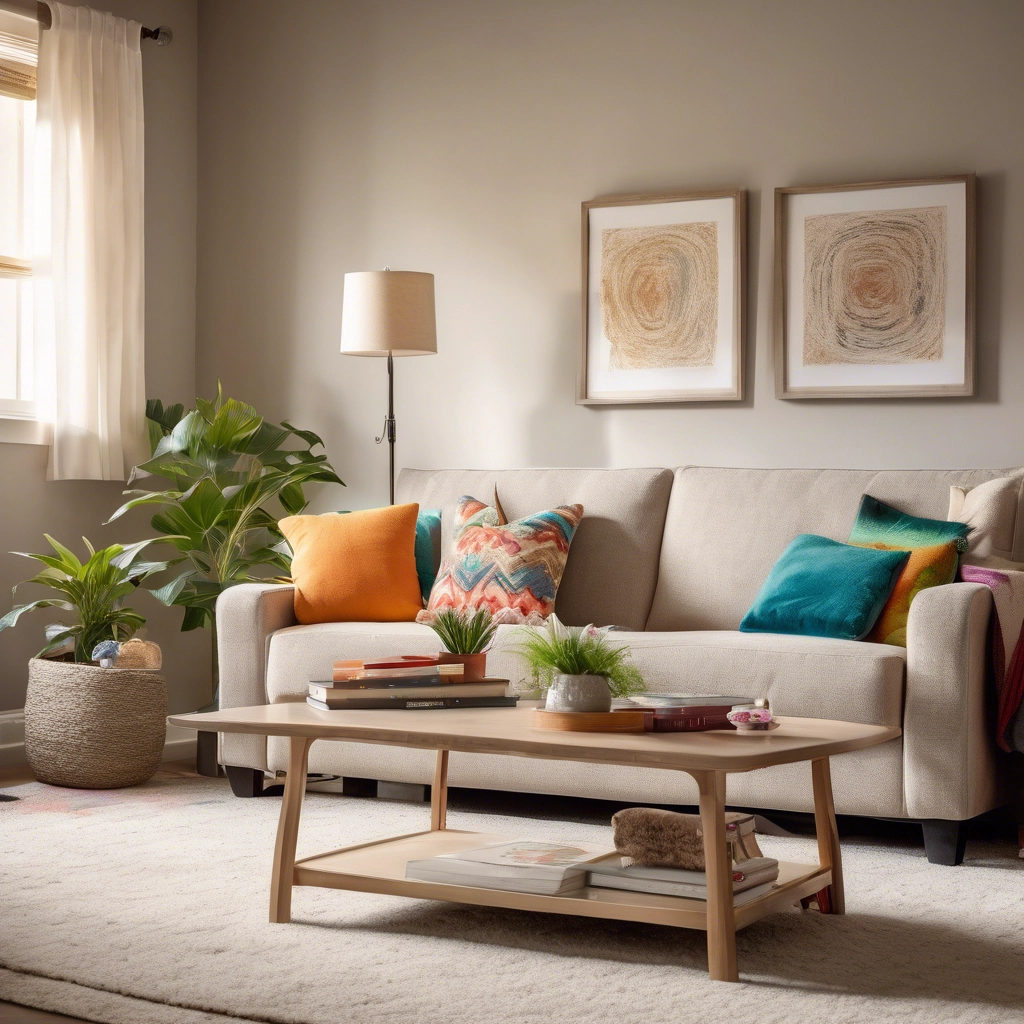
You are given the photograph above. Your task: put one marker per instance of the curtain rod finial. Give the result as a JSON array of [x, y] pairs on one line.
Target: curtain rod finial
[[163, 35]]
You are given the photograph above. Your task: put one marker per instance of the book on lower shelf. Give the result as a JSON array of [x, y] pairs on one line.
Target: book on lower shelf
[[548, 869], [750, 879]]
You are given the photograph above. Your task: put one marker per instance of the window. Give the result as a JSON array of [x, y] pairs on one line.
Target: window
[[17, 124]]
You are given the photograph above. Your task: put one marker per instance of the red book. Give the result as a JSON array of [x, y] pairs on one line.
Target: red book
[[399, 661]]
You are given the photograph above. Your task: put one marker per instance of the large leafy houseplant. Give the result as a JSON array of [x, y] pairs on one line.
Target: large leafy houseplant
[[95, 589], [227, 476]]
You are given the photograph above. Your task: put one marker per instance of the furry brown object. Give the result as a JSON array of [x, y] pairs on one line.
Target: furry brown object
[[659, 839]]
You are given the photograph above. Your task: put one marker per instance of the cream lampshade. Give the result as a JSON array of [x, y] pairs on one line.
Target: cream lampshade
[[389, 313]]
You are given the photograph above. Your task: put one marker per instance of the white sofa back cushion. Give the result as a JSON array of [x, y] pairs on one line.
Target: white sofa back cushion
[[612, 568], [726, 528]]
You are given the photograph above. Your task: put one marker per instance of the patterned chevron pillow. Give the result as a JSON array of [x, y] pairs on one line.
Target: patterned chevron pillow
[[511, 569]]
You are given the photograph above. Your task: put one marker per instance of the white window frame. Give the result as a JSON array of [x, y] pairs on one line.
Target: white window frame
[[18, 415], [18, 268]]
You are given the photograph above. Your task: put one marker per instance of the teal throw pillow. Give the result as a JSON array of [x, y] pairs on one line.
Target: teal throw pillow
[[428, 548], [878, 523], [820, 587]]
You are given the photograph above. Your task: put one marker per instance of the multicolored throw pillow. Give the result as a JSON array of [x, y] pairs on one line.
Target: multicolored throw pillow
[[934, 546], [878, 523], [510, 569], [927, 567]]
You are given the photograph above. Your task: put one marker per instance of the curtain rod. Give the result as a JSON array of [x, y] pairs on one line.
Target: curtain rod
[[43, 15]]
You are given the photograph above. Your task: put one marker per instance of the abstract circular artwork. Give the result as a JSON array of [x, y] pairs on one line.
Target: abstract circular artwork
[[875, 286], [659, 295]]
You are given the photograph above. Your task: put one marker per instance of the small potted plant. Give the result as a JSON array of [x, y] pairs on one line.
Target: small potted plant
[[466, 637], [86, 726], [578, 665]]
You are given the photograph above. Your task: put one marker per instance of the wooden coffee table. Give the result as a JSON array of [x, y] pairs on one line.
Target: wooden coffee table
[[707, 756]]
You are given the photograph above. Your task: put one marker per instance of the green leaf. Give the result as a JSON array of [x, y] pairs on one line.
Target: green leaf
[[168, 593], [194, 618], [292, 498], [66, 554], [307, 435], [16, 613]]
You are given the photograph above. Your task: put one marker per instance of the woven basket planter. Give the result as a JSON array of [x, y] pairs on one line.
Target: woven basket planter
[[93, 728]]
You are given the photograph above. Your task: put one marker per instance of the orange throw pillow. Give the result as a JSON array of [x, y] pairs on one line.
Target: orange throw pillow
[[356, 566], [931, 566]]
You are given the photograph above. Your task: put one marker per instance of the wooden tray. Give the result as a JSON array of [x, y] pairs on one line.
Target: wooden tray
[[588, 721]]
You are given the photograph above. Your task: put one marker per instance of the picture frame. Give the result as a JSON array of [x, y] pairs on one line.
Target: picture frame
[[664, 275], [874, 289]]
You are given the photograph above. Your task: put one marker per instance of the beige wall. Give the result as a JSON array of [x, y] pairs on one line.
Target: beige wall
[[29, 505], [459, 137]]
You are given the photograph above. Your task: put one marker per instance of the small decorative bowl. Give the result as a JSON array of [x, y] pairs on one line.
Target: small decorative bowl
[[750, 718]]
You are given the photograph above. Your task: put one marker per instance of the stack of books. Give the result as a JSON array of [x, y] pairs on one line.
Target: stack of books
[[751, 878], [560, 869], [406, 682]]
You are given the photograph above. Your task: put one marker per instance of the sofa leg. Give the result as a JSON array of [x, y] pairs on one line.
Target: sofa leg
[[944, 841], [249, 782]]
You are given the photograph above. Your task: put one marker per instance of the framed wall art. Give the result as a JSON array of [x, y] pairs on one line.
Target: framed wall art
[[663, 298], [874, 289]]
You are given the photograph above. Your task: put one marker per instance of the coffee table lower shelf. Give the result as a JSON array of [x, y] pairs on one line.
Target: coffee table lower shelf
[[380, 867]]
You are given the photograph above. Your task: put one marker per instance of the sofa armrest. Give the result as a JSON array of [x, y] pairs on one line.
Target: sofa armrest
[[247, 616], [949, 767]]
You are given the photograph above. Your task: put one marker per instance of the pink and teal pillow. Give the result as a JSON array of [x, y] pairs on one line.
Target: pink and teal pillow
[[934, 547], [510, 569]]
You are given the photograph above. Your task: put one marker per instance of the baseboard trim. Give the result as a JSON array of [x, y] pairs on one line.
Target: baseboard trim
[[179, 744]]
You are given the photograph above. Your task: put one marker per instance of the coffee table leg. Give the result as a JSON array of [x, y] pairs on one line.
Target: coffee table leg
[[288, 831], [828, 835], [439, 793], [721, 917]]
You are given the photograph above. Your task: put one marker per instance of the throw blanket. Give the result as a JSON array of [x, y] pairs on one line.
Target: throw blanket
[[1006, 651]]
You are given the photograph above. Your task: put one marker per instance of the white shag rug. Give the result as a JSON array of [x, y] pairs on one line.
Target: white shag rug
[[149, 906]]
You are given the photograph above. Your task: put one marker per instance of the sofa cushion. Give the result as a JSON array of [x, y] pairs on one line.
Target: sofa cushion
[[725, 528], [612, 568], [802, 676], [806, 676]]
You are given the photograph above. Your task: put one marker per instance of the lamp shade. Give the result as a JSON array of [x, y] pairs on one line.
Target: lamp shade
[[388, 312]]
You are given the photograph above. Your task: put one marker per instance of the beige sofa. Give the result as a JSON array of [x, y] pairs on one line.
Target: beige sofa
[[676, 558]]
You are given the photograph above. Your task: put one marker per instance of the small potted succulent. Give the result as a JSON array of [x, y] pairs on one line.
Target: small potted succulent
[[87, 726], [580, 668], [466, 637]]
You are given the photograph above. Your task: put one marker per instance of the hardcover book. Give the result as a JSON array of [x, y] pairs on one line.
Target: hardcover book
[[403, 703], [550, 869]]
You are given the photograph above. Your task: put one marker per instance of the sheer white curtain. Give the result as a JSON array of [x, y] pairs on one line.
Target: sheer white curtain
[[88, 264]]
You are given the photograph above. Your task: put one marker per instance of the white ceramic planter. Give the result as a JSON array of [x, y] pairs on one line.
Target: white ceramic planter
[[579, 693]]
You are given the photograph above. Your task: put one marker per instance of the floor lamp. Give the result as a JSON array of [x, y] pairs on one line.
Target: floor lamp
[[389, 313]]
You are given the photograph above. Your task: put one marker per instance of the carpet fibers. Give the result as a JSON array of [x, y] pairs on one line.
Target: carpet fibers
[[149, 906]]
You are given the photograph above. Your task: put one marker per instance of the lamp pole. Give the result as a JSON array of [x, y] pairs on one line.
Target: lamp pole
[[389, 428]]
